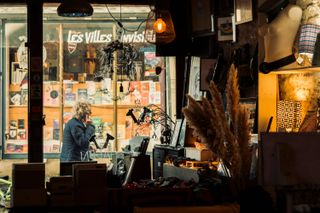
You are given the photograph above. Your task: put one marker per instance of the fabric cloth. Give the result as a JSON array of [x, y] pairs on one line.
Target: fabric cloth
[[308, 37], [75, 142]]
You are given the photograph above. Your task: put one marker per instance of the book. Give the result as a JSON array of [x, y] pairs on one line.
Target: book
[[20, 123], [151, 61], [68, 86], [10, 148], [54, 94], [91, 88], [21, 134], [145, 98], [152, 86], [24, 97], [12, 124], [51, 94], [18, 148], [13, 134], [98, 97], [47, 133], [15, 98], [70, 99], [145, 85], [154, 98], [56, 134], [55, 148], [91, 99], [82, 94], [55, 124], [46, 94]]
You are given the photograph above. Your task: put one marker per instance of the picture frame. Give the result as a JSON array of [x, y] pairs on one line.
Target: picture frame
[[207, 71], [176, 131], [202, 16], [226, 28], [243, 11], [194, 79], [182, 134]]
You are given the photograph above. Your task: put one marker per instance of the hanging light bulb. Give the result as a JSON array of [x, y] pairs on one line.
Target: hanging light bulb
[[159, 27]]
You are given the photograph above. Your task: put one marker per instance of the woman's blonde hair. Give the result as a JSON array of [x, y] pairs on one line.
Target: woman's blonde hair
[[81, 109]]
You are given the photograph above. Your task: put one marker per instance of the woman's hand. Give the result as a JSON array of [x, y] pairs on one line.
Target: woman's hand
[[88, 119]]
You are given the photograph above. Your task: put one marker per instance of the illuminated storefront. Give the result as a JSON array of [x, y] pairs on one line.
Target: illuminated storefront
[[91, 59]]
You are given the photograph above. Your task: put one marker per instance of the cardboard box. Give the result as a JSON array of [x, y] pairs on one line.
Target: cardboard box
[[56, 200], [87, 196], [197, 154], [60, 184], [90, 176], [28, 176], [180, 172], [28, 197]]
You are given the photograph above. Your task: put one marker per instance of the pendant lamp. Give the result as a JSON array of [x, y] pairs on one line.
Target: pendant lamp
[[75, 8], [159, 27]]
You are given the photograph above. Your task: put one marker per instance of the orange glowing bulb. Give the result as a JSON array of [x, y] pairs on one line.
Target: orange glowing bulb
[[159, 26]]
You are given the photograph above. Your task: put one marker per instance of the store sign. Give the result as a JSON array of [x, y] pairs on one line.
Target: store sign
[[97, 36]]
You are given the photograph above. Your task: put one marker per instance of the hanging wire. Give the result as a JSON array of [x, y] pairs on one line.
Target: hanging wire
[[121, 25]]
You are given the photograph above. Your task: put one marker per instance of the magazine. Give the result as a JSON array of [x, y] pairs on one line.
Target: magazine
[[82, 94], [70, 99], [15, 98]]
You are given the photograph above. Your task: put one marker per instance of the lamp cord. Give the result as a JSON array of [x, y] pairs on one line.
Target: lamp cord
[[121, 25]]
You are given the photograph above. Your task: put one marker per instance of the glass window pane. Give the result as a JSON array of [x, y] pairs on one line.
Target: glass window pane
[[91, 59], [14, 80]]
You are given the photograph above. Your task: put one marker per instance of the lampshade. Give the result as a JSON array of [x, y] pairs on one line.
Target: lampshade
[[159, 27], [75, 8]]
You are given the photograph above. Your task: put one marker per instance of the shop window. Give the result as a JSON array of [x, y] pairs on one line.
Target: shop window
[[14, 66], [77, 67]]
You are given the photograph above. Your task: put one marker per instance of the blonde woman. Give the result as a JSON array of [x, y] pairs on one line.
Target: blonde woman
[[76, 134]]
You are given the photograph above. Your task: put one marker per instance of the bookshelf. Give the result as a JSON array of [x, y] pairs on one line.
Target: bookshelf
[[148, 92]]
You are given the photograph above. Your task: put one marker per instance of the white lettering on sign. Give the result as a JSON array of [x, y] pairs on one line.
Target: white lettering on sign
[[97, 36], [75, 37], [135, 38]]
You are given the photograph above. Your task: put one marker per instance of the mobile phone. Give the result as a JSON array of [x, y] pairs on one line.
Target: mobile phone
[[83, 117]]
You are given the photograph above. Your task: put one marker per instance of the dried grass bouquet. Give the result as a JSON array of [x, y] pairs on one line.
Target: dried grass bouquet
[[225, 132]]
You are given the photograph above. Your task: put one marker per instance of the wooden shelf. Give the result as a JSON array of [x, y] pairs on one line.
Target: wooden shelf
[[18, 106], [296, 70]]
